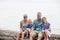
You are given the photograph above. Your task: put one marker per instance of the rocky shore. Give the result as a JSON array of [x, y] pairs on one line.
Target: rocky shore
[[11, 35], [7, 35]]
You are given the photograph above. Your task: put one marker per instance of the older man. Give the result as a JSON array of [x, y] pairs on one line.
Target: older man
[[37, 28]]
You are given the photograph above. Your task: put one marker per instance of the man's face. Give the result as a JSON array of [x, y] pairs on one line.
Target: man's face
[[38, 15], [25, 17]]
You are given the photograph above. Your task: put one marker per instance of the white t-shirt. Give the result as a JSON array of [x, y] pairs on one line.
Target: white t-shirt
[[24, 25]]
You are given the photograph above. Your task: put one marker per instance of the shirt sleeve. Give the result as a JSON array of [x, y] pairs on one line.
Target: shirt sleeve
[[33, 25], [48, 24]]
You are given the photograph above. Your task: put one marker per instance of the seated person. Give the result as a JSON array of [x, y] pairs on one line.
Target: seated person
[[37, 28], [28, 29], [23, 25], [45, 28]]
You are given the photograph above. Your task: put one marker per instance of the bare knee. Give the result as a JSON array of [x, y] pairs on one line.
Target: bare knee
[[23, 33], [46, 32], [32, 34], [40, 35], [18, 34]]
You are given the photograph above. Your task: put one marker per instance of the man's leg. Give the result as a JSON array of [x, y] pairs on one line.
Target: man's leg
[[18, 36], [39, 36], [23, 33], [32, 34]]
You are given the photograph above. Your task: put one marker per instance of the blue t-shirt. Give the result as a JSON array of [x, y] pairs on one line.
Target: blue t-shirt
[[45, 27], [29, 26]]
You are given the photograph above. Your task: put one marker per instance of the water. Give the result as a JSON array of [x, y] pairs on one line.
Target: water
[[11, 12]]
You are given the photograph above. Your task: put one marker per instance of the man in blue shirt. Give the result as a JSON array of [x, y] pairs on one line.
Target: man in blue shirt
[[37, 27]]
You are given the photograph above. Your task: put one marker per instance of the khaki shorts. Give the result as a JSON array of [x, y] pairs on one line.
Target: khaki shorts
[[28, 29], [33, 34]]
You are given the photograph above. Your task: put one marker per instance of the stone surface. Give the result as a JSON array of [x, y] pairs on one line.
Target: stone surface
[[11, 35], [7, 35]]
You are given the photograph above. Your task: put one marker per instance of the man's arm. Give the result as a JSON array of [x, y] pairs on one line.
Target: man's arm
[[21, 26], [33, 26]]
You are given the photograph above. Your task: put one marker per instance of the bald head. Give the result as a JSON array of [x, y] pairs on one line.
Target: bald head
[[38, 15]]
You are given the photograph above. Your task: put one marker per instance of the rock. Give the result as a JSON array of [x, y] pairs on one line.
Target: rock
[[11, 35], [5, 38], [55, 37], [7, 35]]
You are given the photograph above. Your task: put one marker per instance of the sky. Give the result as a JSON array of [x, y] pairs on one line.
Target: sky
[[12, 11]]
